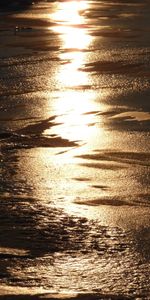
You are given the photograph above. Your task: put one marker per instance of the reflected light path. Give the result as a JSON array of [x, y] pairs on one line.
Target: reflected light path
[[76, 118], [75, 100], [71, 27], [69, 12], [74, 106]]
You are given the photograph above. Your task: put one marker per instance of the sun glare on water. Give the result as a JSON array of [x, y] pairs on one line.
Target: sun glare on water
[[70, 24], [69, 12], [75, 104], [75, 100]]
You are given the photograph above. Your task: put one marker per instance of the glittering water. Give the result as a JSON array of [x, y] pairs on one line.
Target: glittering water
[[74, 160]]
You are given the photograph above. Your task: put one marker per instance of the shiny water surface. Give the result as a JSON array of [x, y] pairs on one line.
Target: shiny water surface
[[75, 160]]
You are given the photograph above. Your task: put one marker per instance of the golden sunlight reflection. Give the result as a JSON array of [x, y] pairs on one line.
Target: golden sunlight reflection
[[69, 12], [70, 75], [76, 108], [78, 117], [70, 25], [75, 38], [75, 101]]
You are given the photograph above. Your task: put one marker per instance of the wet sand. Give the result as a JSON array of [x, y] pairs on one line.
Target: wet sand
[[74, 160], [65, 297]]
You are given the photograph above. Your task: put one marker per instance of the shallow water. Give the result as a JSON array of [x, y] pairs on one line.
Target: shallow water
[[75, 161]]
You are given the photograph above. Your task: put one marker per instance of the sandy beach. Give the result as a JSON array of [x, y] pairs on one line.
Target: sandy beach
[[75, 150]]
